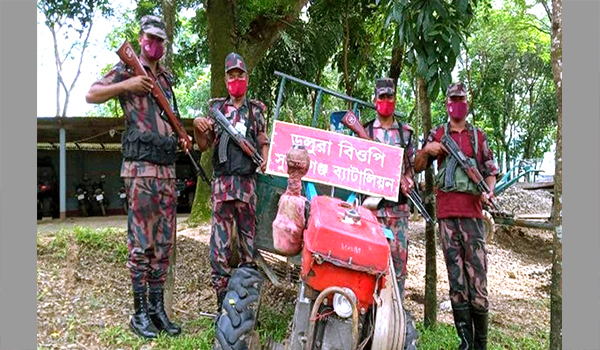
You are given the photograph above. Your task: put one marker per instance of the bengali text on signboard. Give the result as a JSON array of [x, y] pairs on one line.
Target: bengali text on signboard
[[339, 160]]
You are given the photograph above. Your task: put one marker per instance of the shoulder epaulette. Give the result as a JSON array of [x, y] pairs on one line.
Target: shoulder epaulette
[[212, 101], [408, 128], [259, 104]]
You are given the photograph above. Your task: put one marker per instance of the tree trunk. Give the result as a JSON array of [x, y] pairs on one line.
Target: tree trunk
[[556, 286], [345, 50], [168, 8], [224, 38], [471, 90], [397, 60], [221, 30], [430, 316]]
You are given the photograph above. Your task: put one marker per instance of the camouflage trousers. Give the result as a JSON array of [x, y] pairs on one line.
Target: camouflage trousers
[[398, 247], [225, 215], [151, 224], [463, 242]]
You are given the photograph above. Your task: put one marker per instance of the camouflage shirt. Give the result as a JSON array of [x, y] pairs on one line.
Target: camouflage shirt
[[458, 204], [235, 187], [142, 112], [393, 137]]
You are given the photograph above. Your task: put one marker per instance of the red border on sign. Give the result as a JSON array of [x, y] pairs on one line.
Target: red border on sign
[[339, 160]]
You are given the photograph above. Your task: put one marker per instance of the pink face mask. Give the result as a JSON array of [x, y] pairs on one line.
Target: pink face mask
[[153, 48], [457, 109], [237, 87], [385, 108]]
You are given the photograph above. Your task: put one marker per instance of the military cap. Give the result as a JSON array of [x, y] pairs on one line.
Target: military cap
[[456, 89], [384, 86], [234, 60], [153, 25]]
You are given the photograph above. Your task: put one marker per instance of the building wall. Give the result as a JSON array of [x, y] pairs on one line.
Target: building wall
[[91, 163]]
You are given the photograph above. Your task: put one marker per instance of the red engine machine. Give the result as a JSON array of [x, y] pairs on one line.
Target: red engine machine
[[344, 247], [344, 296]]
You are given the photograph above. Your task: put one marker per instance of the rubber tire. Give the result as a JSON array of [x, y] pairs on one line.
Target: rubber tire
[[235, 325], [125, 207], [102, 209], [411, 339], [47, 207], [83, 209], [489, 226]]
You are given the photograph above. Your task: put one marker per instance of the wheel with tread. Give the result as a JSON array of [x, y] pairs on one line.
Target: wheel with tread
[[235, 325]]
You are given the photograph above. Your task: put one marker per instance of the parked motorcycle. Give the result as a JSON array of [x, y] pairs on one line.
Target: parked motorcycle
[[46, 198], [99, 196], [82, 199], [124, 200]]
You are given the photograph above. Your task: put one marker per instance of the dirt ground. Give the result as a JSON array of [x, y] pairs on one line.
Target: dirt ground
[[82, 295]]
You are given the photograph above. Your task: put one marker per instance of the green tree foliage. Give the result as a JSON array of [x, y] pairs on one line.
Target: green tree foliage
[[511, 83], [345, 45], [71, 22], [432, 32]]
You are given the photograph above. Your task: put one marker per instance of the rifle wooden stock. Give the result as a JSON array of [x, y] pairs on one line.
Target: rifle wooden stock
[[129, 57], [351, 122]]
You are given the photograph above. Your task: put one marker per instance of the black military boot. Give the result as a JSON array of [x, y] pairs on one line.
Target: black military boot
[[157, 313], [480, 324], [220, 298], [140, 323], [464, 325]]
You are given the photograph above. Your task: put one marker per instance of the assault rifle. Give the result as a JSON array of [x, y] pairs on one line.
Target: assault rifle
[[238, 138], [129, 57], [350, 121], [470, 169]]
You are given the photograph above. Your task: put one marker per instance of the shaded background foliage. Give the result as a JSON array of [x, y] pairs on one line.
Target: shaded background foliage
[[345, 45], [502, 52]]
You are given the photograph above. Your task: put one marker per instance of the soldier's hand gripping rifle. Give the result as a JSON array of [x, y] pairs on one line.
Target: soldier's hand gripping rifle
[[470, 169], [129, 57], [238, 138], [351, 122]]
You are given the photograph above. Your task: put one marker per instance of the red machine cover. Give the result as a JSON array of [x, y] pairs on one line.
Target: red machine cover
[[360, 246]]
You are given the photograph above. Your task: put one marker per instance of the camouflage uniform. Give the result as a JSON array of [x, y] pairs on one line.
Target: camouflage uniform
[[394, 215], [462, 234], [461, 229], [234, 196], [150, 187]]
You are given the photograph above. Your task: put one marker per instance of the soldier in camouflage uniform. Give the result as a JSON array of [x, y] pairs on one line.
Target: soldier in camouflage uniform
[[394, 215], [459, 212], [148, 170], [233, 189]]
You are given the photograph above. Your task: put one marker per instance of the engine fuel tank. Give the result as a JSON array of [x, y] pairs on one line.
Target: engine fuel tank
[[343, 247]]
